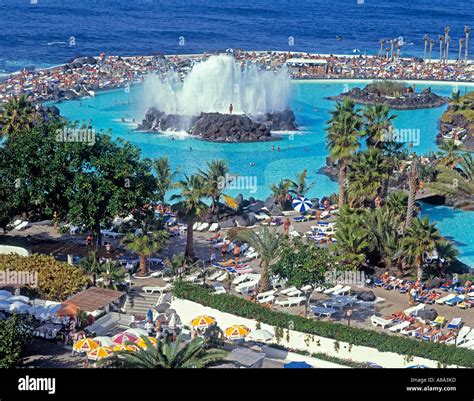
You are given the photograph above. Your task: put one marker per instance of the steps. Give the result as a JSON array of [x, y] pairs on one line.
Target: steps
[[138, 302]]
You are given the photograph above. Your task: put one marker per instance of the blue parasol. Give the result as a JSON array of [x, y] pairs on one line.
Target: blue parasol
[[302, 204], [297, 365]]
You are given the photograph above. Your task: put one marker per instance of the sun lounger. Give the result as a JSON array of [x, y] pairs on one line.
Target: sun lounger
[[321, 311], [214, 227], [266, 294], [400, 326], [343, 291], [331, 290], [294, 293], [409, 331], [196, 225], [454, 301], [294, 234], [219, 289], [23, 225], [287, 290], [414, 310], [152, 290], [380, 321], [203, 227], [300, 219], [293, 301], [444, 299], [433, 335], [215, 275], [266, 300], [241, 279], [455, 323], [223, 276], [247, 287]]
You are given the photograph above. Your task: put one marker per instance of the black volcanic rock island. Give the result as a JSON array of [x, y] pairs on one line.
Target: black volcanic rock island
[[396, 95], [219, 127]]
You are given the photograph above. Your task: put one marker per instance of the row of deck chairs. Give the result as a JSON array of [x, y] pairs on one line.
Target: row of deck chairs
[[199, 226]]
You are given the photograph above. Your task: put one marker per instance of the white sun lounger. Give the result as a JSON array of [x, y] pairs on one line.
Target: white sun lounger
[[219, 289], [223, 276], [22, 226], [295, 234], [293, 301], [468, 344], [444, 299], [266, 294], [203, 227], [380, 321], [465, 334], [294, 293], [267, 300], [414, 310], [399, 327], [241, 279], [343, 291], [215, 275], [151, 290], [214, 227], [247, 287], [196, 225], [331, 290], [286, 291]]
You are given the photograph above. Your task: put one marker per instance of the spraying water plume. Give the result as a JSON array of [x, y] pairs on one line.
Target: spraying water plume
[[214, 84]]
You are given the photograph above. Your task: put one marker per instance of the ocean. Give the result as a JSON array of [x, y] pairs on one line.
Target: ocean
[[43, 33]]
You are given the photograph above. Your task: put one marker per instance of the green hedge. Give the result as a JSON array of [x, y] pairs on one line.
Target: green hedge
[[445, 354]]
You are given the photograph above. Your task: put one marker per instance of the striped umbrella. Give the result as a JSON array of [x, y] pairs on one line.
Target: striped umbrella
[[86, 344], [123, 338], [203, 322], [99, 353], [302, 204], [236, 332]]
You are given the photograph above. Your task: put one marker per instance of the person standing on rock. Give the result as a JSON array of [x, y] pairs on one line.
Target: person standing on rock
[[231, 108], [286, 226]]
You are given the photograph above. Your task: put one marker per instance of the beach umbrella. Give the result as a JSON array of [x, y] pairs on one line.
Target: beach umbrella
[[104, 341], [67, 309], [297, 365], [123, 347], [124, 337], [236, 332], [19, 307], [137, 332], [417, 367], [302, 204], [141, 342], [99, 353], [172, 321], [203, 322], [260, 336], [85, 345]]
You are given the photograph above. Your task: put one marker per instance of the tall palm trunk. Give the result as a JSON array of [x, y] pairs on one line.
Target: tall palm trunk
[[143, 266], [342, 183], [466, 49], [189, 253], [419, 267], [264, 283], [412, 194]]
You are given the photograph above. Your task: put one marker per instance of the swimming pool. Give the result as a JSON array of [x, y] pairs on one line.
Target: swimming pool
[[304, 149]]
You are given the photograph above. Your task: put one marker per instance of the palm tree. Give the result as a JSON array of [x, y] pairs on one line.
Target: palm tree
[[145, 245], [378, 122], [441, 40], [461, 43], [266, 244], [412, 183], [91, 265], [367, 177], [112, 274], [447, 252], [299, 187], [190, 206], [280, 192], [382, 42], [431, 48], [216, 178], [467, 31], [397, 203], [426, 39], [343, 140], [449, 153], [16, 116], [168, 355], [420, 237], [164, 177], [447, 40], [352, 244]]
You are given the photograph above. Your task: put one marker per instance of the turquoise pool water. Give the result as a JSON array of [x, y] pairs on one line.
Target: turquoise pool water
[[304, 149]]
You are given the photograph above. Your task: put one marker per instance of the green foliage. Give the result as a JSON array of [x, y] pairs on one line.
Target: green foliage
[[15, 335], [168, 354], [164, 177], [57, 281], [385, 343]]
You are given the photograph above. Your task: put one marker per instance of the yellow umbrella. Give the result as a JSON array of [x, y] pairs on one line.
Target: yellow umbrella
[[86, 344], [123, 347], [231, 202], [236, 332], [141, 343], [99, 353], [203, 322]]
